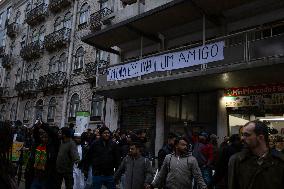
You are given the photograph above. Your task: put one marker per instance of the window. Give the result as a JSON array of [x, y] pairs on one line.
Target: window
[[29, 72], [39, 109], [102, 56], [28, 8], [62, 63], [52, 65], [41, 35], [57, 24], [97, 104], [2, 113], [8, 14], [51, 110], [18, 76], [84, 14], [13, 113], [17, 18], [74, 105], [27, 112], [34, 36], [1, 19], [36, 71], [3, 42], [79, 59], [67, 20], [7, 79], [23, 41]]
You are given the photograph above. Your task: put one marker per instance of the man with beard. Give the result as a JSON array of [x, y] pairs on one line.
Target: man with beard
[[178, 169], [257, 167]]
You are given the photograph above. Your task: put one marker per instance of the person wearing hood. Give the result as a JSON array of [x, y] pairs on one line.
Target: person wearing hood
[[166, 149], [178, 169]]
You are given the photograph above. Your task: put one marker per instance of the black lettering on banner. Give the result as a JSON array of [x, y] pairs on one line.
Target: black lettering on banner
[[182, 58], [190, 53], [214, 50], [205, 52], [170, 59]]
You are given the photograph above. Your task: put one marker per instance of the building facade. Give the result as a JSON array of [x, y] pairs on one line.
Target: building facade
[[47, 72], [163, 65]]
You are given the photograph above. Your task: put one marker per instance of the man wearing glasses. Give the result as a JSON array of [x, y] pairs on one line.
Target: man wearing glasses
[[257, 166]]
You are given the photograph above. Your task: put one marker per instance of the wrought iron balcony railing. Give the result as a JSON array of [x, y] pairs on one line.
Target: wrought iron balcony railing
[[12, 29], [57, 39], [96, 68], [26, 87], [96, 18], [31, 51], [57, 80], [58, 5], [37, 15], [128, 2], [7, 61], [2, 51]]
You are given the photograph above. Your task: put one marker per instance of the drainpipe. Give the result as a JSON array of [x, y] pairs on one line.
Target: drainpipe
[[69, 66]]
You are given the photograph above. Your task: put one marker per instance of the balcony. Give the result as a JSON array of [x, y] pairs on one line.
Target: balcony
[[128, 2], [31, 51], [93, 70], [57, 39], [7, 62], [27, 87], [96, 18], [37, 15], [2, 51], [56, 6], [52, 81], [12, 29]]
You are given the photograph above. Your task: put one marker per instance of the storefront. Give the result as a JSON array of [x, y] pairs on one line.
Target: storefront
[[264, 102]]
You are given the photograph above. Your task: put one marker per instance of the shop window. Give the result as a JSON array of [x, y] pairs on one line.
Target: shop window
[[35, 36], [51, 110], [96, 108], [74, 105]]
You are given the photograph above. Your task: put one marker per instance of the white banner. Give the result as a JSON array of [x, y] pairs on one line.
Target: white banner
[[170, 61]]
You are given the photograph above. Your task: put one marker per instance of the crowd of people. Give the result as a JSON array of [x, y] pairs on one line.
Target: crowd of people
[[53, 157]]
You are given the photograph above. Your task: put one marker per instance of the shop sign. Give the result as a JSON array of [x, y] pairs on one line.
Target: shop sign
[[245, 91], [170, 61], [254, 100], [82, 122]]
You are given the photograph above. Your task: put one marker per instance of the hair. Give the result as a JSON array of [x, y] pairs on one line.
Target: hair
[[260, 129], [67, 132], [179, 138], [172, 135], [136, 144]]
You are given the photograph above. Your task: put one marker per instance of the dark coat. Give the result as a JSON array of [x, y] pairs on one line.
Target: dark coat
[[246, 173], [104, 156]]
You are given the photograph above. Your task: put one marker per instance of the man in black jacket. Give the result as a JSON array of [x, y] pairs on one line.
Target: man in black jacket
[[104, 157], [166, 149]]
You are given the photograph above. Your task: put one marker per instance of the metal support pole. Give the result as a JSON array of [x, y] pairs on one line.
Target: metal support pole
[[204, 30], [141, 47]]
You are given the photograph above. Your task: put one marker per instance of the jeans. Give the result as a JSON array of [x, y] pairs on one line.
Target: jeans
[[38, 184], [98, 181]]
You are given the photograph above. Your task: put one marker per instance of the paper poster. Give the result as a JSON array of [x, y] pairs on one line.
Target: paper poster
[[82, 122]]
